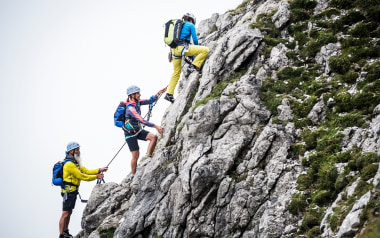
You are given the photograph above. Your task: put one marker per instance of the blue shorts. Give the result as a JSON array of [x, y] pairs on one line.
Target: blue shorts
[[132, 141], [69, 203]]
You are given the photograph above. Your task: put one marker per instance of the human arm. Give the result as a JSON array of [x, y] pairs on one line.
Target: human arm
[[188, 30], [159, 129], [100, 175], [79, 174], [97, 172], [131, 112], [104, 169], [194, 34], [154, 97], [161, 92], [89, 171]]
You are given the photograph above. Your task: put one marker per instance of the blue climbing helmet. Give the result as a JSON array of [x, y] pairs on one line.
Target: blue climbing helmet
[[72, 145], [190, 15], [132, 89]]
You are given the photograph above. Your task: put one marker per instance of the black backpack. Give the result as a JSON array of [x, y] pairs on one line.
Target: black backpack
[[173, 32]]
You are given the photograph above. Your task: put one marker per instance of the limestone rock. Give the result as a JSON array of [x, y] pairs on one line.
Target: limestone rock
[[326, 52], [224, 167], [278, 58], [285, 113], [318, 113], [281, 17], [352, 220]]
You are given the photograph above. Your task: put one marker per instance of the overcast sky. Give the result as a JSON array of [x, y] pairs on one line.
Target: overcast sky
[[64, 67]]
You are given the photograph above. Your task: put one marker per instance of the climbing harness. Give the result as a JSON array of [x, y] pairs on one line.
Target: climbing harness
[[66, 194], [66, 186], [187, 59], [128, 127], [148, 115]]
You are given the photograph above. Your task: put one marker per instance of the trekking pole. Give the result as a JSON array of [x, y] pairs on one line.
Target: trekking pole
[[99, 181]]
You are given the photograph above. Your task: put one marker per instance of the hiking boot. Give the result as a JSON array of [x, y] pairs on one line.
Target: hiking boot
[[67, 234], [192, 68], [169, 97]]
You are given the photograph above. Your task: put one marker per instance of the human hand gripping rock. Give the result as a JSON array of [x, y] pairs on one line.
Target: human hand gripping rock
[[159, 129]]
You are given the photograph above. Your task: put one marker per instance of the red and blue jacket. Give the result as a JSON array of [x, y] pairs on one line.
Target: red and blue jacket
[[133, 111]]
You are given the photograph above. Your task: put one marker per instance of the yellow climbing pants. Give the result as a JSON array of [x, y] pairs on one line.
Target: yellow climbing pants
[[201, 53]]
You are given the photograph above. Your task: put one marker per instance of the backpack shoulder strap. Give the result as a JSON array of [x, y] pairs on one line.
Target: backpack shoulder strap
[[64, 183], [131, 105], [67, 160], [70, 160]]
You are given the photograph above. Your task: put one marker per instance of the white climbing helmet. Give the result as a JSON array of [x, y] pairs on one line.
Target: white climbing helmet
[[191, 16], [72, 145], [132, 89]]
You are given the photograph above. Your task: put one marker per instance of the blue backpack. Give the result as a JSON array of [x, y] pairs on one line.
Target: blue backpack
[[58, 172], [120, 120], [119, 115]]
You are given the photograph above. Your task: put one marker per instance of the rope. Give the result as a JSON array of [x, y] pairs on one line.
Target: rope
[[148, 115]]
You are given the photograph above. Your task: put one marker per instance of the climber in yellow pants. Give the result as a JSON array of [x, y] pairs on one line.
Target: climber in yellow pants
[[201, 52]]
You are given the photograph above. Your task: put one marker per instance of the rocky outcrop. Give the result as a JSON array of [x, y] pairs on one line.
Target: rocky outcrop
[[281, 17], [318, 113], [226, 166], [351, 223], [325, 53]]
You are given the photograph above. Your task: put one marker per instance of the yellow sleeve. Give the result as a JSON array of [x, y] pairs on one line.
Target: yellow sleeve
[[80, 174], [88, 171]]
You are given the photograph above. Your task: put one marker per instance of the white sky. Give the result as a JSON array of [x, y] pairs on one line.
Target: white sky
[[64, 67]]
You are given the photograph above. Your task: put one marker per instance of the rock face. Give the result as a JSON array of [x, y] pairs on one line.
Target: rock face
[[325, 53], [223, 167]]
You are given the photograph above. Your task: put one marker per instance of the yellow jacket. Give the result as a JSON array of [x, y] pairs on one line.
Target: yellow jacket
[[73, 174]]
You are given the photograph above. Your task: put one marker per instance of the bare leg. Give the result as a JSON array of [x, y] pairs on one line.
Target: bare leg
[[152, 138], [135, 157], [64, 221]]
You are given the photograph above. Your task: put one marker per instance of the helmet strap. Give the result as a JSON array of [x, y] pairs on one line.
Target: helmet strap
[[134, 97]]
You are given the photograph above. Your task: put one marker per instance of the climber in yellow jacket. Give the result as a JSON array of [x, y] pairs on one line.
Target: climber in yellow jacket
[[73, 173], [201, 52]]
